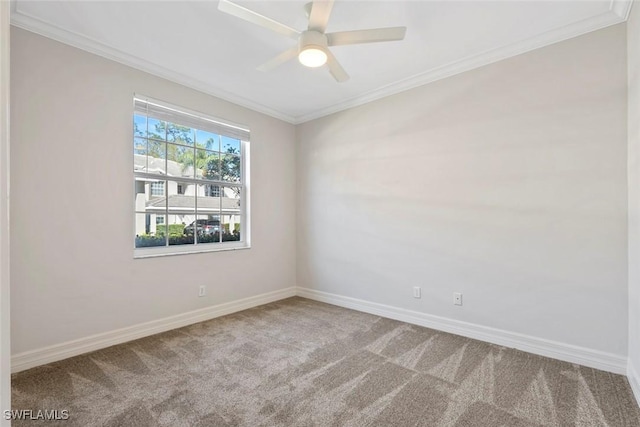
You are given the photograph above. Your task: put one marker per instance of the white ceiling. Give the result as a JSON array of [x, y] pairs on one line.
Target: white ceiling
[[192, 43]]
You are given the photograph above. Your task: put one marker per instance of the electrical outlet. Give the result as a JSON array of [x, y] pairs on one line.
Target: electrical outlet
[[457, 298], [417, 292], [202, 291]]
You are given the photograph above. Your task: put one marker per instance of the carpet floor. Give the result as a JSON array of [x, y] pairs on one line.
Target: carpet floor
[[298, 362]]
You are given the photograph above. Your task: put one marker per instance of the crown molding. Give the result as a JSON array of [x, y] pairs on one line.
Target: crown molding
[[618, 12], [621, 8], [22, 20], [485, 58]]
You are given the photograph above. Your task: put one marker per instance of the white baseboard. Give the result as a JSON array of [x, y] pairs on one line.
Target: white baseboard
[[634, 380], [556, 350], [33, 358]]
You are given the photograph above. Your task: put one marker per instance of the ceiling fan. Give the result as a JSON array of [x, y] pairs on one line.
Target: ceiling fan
[[313, 43]]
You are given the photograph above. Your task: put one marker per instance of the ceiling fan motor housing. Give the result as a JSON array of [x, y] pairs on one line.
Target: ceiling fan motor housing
[[312, 39]]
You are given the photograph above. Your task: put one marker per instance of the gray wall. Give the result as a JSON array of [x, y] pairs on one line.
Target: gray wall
[[506, 183], [633, 49], [73, 272]]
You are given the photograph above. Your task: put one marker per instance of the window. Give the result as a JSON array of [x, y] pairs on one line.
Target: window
[[157, 188], [213, 191], [191, 181]]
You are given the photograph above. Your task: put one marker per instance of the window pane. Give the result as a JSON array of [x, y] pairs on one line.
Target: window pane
[[148, 232], [230, 168], [179, 161], [140, 194], [230, 213], [157, 129], [180, 134], [231, 226], [209, 199], [181, 202], [208, 229], [139, 125], [140, 146], [207, 140], [230, 145], [208, 164], [231, 200], [156, 157], [179, 234], [140, 154], [190, 227]]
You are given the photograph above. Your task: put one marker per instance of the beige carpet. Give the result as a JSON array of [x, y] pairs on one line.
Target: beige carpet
[[302, 363]]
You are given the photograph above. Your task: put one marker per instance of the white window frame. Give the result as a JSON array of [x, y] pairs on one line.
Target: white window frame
[[196, 120]]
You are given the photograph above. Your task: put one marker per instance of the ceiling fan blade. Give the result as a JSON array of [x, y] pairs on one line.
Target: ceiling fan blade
[[319, 16], [255, 18], [366, 36], [279, 60], [335, 68]]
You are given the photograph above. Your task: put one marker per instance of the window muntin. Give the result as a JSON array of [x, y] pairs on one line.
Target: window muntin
[[190, 171]]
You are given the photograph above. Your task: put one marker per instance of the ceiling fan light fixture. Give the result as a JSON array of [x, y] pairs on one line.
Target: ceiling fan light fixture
[[312, 49], [312, 56]]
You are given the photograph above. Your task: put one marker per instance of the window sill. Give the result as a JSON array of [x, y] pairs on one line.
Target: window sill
[[139, 253]]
